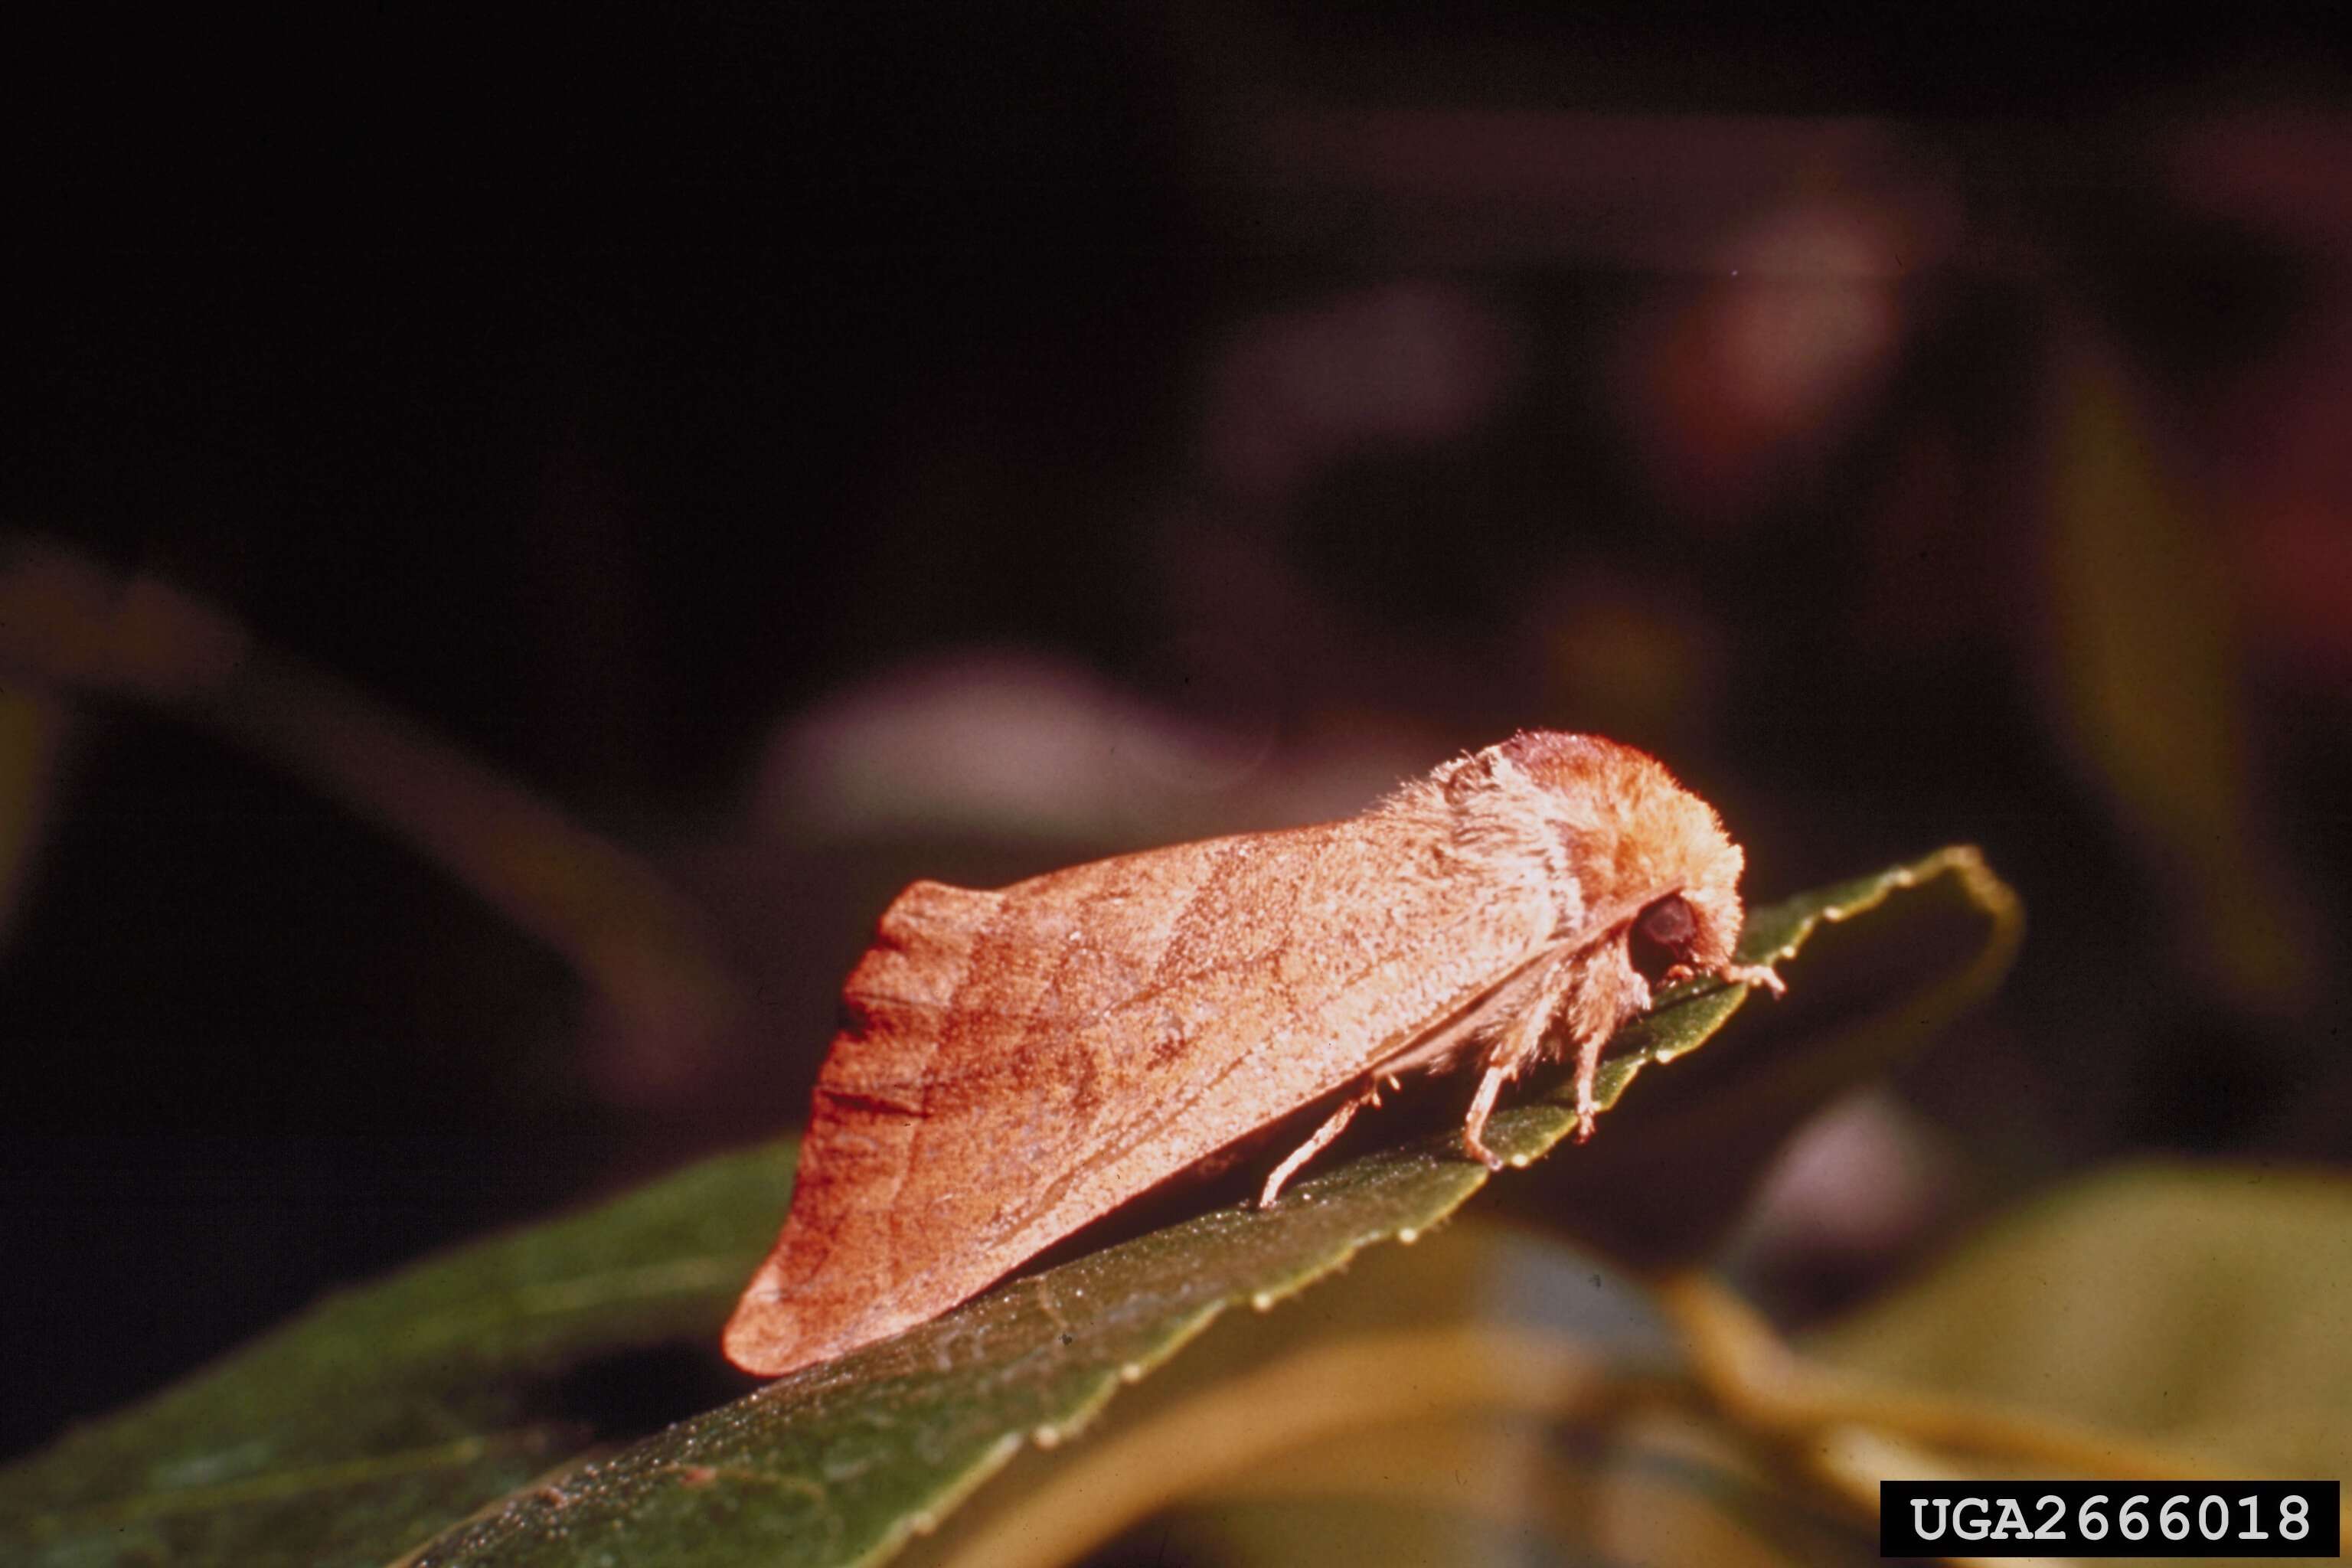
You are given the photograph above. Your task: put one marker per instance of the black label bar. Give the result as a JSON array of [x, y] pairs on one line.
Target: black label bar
[[2110, 1518]]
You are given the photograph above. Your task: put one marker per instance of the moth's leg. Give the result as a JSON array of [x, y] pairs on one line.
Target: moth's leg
[[1482, 1106], [1730, 975], [1588, 1068], [1521, 1040], [1594, 1020], [1332, 1127], [1753, 975]]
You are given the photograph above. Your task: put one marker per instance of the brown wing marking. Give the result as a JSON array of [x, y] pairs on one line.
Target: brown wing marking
[[869, 1099], [1028, 1068]]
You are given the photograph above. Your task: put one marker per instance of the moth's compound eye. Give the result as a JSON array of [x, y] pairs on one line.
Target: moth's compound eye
[[1662, 936], [1669, 922]]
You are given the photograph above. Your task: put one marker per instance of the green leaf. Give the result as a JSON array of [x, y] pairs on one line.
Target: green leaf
[[1487, 1395], [378, 1419], [380, 1416], [2195, 1310]]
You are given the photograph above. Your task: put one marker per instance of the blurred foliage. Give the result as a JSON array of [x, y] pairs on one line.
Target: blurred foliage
[[2193, 1316], [2143, 658]]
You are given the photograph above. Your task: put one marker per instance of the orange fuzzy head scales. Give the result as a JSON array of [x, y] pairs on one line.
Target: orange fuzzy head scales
[[1618, 838], [1647, 832]]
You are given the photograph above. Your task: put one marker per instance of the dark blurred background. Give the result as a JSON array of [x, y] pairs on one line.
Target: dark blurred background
[[516, 547]]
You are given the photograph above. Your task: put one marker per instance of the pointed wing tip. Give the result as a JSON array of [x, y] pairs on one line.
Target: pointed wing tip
[[775, 1331], [760, 1339], [765, 1335]]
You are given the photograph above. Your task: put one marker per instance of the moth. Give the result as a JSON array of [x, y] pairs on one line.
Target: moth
[[1014, 1064]]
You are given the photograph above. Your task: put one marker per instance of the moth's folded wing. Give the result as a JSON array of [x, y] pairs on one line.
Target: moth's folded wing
[[1018, 1063], [831, 1268]]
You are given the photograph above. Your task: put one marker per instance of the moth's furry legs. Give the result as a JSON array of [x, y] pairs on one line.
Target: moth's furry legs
[[1335, 1125], [1520, 1041]]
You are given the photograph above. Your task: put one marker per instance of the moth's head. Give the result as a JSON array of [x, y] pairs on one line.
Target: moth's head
[[1680, 932], [1636, 840]]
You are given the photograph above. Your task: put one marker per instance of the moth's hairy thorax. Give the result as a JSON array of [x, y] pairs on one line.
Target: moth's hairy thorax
[[1593, 825], [1594, 832], [1489, 824]]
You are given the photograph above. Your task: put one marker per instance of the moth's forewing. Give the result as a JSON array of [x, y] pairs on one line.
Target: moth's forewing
[[1018, 1063]]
